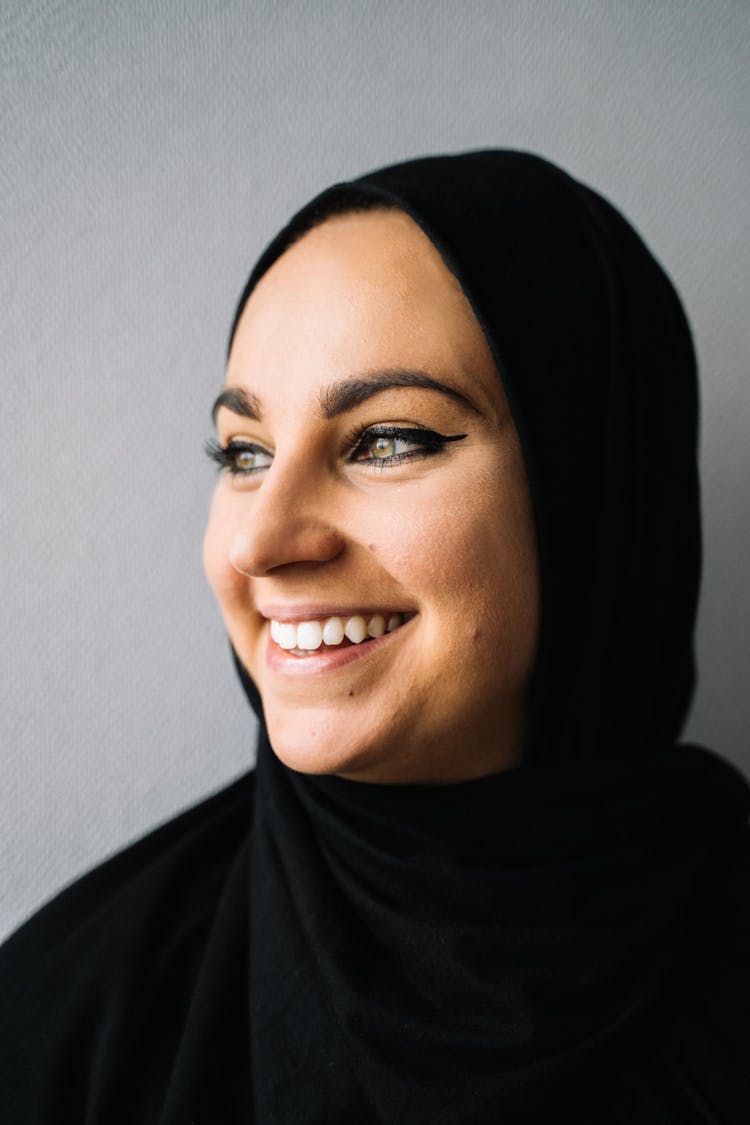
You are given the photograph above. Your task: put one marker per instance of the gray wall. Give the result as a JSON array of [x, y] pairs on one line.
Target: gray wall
[[149, 149]]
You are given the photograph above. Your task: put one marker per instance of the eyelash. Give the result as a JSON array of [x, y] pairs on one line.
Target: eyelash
[[429, 442]]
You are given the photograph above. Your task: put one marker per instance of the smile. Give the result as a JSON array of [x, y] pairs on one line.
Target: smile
[[304, 638]]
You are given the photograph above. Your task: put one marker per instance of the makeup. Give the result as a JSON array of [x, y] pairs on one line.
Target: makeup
[[377, 446]]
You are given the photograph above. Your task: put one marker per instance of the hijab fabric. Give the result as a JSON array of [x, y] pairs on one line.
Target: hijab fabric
[[562, 941]]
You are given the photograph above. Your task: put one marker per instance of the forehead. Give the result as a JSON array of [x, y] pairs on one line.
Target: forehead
[[362, 290], [384, 251]]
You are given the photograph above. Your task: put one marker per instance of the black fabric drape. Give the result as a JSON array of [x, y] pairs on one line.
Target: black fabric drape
[[562, 941]]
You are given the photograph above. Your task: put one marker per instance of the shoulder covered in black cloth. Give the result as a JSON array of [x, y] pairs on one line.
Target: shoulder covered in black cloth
[[125, 998], [97, 987]]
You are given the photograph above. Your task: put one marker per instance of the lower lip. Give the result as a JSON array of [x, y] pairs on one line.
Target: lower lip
[[327, 660]]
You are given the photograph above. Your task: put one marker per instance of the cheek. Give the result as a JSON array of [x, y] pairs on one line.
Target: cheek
[[468, 554], [444, 546], [229, 586]]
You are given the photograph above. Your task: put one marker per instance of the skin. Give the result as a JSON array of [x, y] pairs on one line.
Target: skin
[[450, 536]]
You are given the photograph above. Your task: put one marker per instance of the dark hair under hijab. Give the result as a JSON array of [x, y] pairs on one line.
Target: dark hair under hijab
[[564, 941]]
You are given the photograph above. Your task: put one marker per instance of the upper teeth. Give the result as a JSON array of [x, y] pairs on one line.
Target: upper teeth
[[309, 635]]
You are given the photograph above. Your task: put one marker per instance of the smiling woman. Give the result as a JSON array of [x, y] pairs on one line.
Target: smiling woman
[[455, 544], [395, 494]]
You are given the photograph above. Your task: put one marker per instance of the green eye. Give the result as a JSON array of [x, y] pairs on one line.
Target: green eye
[[383, 447], [247, 459], [394, 445], [241, 458]]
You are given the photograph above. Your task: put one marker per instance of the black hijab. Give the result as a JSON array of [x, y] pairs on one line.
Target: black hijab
[[562, 941]]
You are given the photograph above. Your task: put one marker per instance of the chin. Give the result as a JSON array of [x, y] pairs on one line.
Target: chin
[[310, 743]]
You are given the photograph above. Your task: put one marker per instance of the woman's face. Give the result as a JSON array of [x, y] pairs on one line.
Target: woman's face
[[377, 475]]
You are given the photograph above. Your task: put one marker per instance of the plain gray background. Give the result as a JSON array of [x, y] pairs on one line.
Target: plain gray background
[[149, 151]]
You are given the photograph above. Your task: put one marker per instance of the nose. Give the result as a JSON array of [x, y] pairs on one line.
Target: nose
[[288, 519]]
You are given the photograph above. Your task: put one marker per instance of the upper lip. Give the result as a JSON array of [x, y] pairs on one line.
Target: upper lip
[[319, 613]]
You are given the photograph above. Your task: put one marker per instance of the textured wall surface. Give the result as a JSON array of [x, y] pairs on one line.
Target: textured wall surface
[[149, 150]]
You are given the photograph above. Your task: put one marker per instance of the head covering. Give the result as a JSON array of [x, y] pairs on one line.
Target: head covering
[[563, 941], [478, 952], [597, 363]]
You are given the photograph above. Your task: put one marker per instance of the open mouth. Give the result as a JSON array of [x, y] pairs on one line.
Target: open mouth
[[308, 638]]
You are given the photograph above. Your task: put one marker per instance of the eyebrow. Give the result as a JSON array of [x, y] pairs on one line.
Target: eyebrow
[[239, 402], [343, 394]]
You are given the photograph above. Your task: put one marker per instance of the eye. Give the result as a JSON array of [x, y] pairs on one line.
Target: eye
[[241, 458], [380, 446]]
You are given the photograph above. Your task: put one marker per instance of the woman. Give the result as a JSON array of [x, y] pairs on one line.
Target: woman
[[455, 544]]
